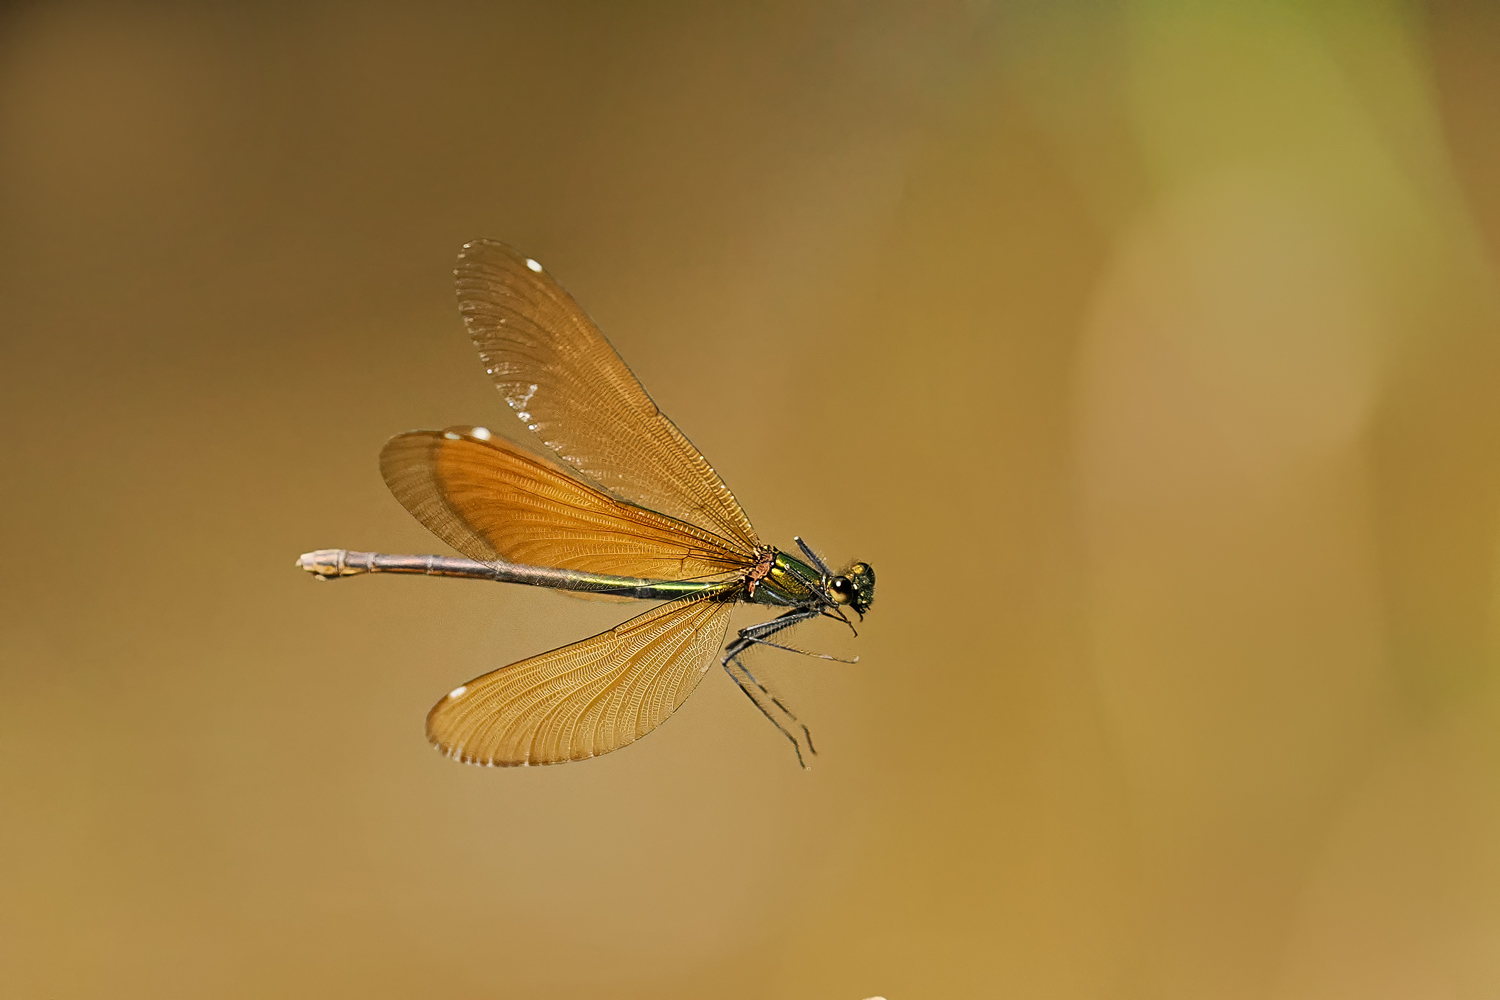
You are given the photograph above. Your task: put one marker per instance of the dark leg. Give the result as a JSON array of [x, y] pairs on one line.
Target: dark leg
[[784, 620], [757, 692], [812, 557], [759, 696], [802, 652]]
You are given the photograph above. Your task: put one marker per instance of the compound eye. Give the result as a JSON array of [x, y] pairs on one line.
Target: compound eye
[[842, 589]]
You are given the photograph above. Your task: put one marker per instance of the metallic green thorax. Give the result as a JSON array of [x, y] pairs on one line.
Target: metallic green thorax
[[789, 582]]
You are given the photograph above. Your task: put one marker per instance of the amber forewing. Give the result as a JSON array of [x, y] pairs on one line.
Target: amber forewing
[[491, 500], [569, 387]]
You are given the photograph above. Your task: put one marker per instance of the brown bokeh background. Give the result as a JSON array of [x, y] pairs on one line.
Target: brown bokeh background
[[1148, 350]]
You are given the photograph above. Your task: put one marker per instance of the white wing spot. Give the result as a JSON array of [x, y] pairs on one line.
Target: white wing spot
[[517, 401], [452, 435], [482, 433], [533, 264], [458, 692], [525, 417]]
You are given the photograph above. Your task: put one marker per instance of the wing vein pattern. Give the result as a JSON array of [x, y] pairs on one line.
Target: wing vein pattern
[[568, 386], [588, 698], [491, 499]]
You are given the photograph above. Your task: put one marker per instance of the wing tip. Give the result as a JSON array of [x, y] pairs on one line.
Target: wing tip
[[482, 243], [477, 253]]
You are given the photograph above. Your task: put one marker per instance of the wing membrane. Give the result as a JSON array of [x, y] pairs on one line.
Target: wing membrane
[[490, 500], [585, 699], [565, 382]]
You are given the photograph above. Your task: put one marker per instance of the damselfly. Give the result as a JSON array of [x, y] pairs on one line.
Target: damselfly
[[622, 506]]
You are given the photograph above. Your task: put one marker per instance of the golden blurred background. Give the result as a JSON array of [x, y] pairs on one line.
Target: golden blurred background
[[1149, 350]]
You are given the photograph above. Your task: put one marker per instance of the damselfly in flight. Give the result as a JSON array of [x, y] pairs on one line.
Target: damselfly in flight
[[623, 505]]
